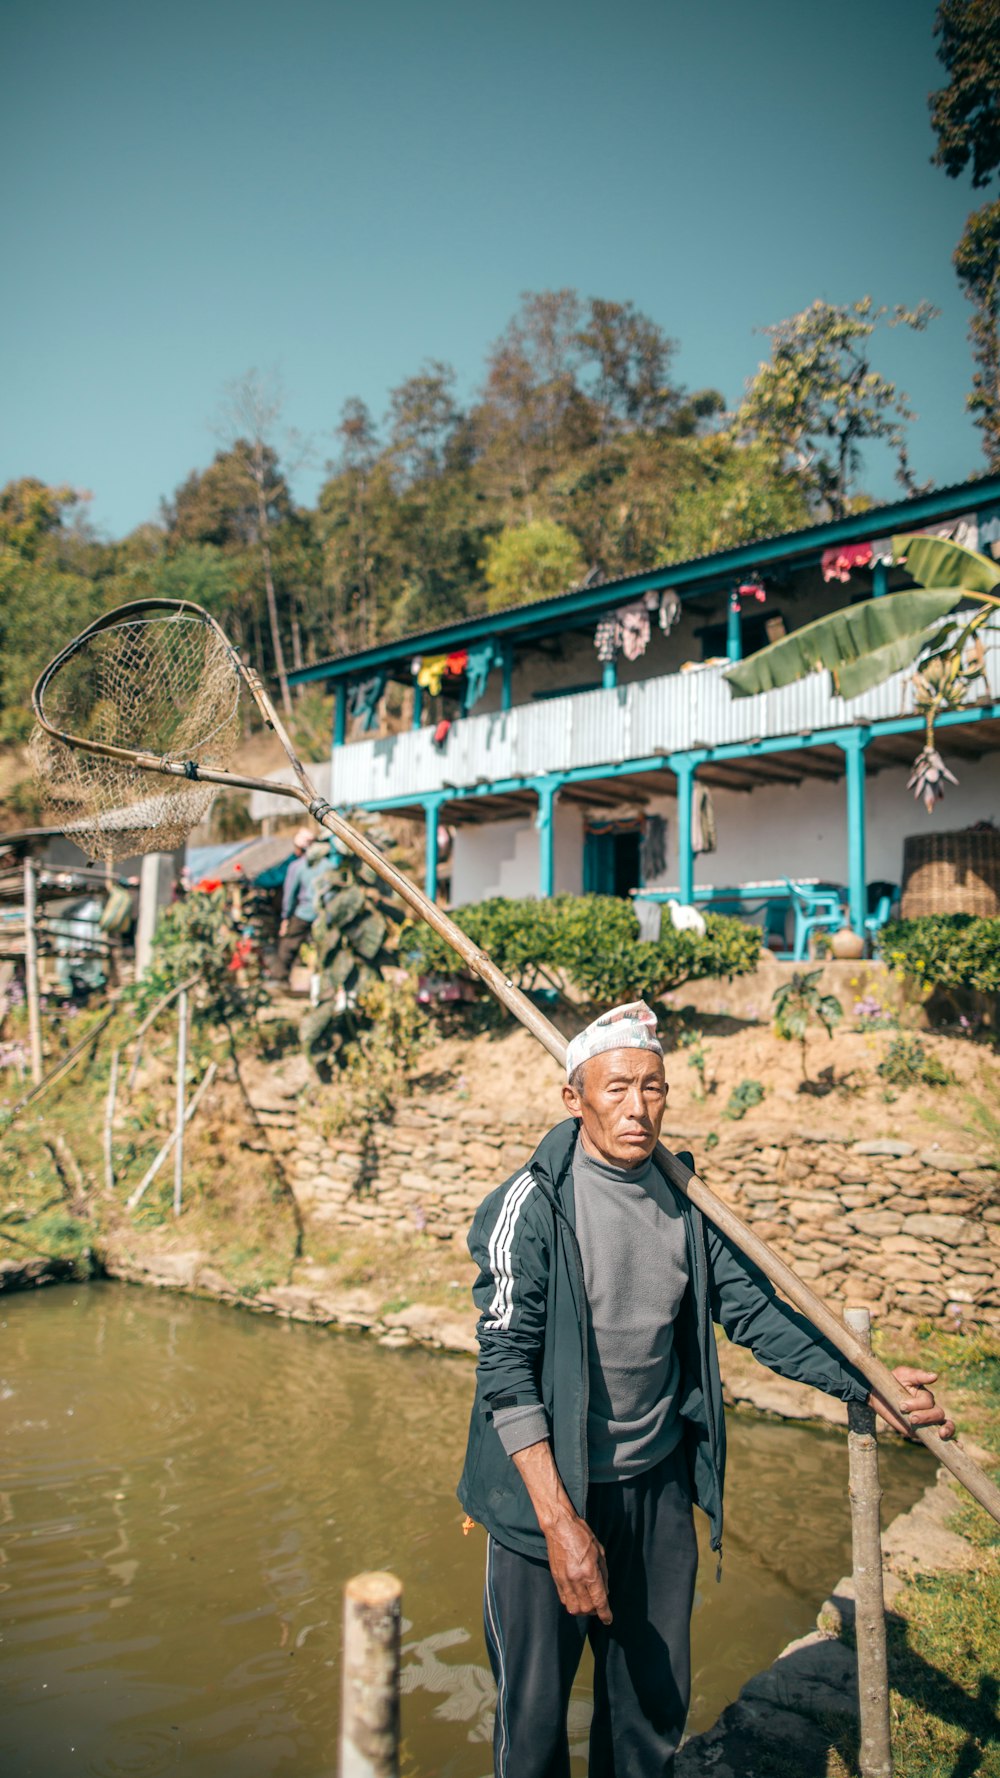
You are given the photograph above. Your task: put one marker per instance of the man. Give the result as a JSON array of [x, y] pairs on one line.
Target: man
[[298, 909], [598, 1415]]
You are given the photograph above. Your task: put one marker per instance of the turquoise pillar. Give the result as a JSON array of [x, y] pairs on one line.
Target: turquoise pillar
[[609, 675], [683, 765], [734, 631], [507, 682], [854, 759], [340, 714], [547, 789], [432, 807], [418, 704], [880, 580]]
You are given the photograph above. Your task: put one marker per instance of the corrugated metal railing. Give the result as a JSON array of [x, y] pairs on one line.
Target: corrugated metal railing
[[595, 728]]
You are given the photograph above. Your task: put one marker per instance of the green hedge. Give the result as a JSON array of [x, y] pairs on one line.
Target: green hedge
[[946, 950], [590, 943]]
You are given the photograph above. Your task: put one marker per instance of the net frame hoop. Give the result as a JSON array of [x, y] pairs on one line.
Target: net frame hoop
[[116, 619], [793, 1288]]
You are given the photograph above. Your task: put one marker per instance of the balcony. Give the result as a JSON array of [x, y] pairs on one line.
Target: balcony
[[652, 717]]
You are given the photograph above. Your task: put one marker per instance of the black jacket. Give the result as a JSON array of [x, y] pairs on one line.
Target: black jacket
[[532, 1335]]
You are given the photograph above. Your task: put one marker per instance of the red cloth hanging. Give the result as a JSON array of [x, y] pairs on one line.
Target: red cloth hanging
[[456, 663], [840, 562], [440, 734]]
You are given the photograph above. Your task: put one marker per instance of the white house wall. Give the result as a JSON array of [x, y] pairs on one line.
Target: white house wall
[[775, 831]]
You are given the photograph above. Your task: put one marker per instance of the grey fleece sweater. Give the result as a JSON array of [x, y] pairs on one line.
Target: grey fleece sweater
[[631, 1236]]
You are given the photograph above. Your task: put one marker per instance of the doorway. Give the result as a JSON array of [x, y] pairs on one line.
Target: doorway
[[611, 862]]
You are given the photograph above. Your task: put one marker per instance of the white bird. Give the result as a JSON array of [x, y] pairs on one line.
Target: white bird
[[686, 919]]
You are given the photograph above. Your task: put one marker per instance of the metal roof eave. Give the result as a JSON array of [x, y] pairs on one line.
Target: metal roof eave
[[549, 614]]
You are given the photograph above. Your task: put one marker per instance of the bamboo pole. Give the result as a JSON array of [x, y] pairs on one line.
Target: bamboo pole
[[62, 1067], [180, 1114], [875, 1755], [109, 1113], [31, 971], [369, 1724], [154, 1013], [304, 792], [164, 1153]]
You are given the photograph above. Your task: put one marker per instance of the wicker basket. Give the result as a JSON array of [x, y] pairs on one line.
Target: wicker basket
[[951, 873]]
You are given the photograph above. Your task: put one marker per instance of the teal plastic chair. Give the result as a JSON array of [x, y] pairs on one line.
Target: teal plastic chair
[[816, 910], [877, 919]]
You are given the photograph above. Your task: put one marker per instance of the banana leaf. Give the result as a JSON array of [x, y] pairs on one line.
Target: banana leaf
[[852, 636], [855, 677], [935, 562]]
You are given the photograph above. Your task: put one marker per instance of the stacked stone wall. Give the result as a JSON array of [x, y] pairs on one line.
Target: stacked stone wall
[[909, 1229]]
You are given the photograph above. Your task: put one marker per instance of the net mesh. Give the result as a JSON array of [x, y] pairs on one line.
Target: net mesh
[[164, 683]]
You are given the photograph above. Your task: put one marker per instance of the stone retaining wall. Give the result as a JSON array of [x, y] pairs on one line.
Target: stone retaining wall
[[906, 1229]]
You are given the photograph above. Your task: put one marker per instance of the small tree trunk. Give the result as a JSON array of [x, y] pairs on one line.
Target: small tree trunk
[[31, 972], [369, 1731]]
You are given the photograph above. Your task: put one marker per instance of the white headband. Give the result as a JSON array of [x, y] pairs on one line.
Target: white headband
[[631, 1027]]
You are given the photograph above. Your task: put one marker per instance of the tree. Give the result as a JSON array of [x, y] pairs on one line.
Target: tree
[[631, 358], [966, 119], [965, 114], [422, 418], [528, 562], [250, 411], [819, 400], [31, 514]]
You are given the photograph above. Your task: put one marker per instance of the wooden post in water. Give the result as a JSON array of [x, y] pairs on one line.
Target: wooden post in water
[[182, 1027], [31, 972], [875, 1754], [369, 1727]]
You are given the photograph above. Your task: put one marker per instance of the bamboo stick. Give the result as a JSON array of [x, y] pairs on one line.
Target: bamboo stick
[[109, 1113], [304, 793], [180, 1114], [31, 972], [62, 1067], [164, 1153], [875, 1755], [141, 1029], [369, 1725]]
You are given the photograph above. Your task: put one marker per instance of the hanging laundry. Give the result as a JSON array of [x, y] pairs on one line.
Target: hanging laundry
[[840, 562], [752, 589], [480, 660], [456, 663], [364, 697], [650, 917], [670, 609], [441, 733], [607, 639], [653, 848], [634, 621], [703, 837], [432, 671]]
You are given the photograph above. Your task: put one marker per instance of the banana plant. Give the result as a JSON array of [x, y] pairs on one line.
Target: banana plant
[[862, 645]]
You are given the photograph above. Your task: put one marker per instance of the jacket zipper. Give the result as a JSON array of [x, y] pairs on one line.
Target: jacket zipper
[[704, 1332]]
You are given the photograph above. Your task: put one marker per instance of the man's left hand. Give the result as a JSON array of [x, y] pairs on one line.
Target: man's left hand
[[921, 1408]]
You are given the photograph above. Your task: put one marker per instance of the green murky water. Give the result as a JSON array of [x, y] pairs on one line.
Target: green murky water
[[184, 1491]]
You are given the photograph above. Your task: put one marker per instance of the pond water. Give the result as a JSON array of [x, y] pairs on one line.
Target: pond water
[[185, 1490]]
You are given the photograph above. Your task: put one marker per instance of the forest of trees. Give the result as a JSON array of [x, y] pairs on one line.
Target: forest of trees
[[581, 454]]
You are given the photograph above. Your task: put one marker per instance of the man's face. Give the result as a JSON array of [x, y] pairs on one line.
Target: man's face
[[620, 1103]]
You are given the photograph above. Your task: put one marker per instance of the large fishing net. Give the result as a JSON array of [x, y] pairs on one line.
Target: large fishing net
[[161, 683]]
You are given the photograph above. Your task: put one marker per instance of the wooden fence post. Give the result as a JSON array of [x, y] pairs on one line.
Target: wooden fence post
[[109, 1119], [31, 972], [875, 1755], [369, 1728]]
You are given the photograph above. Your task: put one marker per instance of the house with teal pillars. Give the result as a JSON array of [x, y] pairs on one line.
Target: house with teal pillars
[[567, 745]]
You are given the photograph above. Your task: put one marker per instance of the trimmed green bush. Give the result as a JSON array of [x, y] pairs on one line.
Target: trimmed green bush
[[588, 942], [946, 950]]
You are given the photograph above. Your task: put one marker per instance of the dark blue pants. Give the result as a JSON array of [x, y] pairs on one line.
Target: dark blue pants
[[642, 1661]]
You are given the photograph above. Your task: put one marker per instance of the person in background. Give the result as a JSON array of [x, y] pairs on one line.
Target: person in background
[[298, 908]]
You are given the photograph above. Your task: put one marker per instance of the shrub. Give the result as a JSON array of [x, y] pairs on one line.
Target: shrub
[[906, 1063], [946, 950], [743, 1098], [797, 1004], [588, 942]]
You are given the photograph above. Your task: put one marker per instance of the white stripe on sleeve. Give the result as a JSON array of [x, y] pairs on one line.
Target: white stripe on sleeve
[[501, 1244]]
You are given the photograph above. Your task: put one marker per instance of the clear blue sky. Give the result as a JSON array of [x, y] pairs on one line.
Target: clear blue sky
[[340, 192]]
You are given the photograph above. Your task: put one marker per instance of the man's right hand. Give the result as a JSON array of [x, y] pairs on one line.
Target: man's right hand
[[578, 1567], [575, 1556]]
